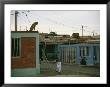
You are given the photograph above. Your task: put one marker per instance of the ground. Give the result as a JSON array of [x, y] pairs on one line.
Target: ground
[[68, 70]]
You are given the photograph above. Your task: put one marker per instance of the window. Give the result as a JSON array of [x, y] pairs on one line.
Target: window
[[15, 47], [84, 51]]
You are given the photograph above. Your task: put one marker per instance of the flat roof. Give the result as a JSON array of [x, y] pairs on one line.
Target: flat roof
[[24, 32]]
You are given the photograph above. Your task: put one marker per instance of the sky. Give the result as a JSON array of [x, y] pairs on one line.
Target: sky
[[61, 22]]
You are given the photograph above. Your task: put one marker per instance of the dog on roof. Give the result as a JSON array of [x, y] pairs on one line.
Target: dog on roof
[[33, 26]]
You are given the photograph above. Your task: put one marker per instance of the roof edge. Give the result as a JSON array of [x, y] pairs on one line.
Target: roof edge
[[24, 32]]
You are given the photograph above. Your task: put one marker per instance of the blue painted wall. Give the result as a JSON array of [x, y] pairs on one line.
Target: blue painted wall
[[89, 57]]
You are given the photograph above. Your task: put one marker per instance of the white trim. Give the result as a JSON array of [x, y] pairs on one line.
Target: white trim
[[23, 34]]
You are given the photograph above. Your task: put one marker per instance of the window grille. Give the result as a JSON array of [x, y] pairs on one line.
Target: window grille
[[15, 47]]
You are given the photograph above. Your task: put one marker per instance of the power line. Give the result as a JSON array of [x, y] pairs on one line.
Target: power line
[[38, 17], [55, 22]]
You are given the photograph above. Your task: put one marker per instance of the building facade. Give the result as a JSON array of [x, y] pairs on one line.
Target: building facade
[[77, 52], [25, 53]]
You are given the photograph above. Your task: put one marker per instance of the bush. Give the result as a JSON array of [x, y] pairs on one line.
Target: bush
[[83, 61]]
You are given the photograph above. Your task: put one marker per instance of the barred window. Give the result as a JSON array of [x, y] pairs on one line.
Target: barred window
[[15, 47], [84, 51]]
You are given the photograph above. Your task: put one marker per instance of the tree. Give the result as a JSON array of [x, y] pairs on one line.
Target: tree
[[83, 61]]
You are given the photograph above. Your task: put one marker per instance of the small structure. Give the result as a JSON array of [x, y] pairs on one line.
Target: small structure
[[75, 35], [24, 53], [77, 52]]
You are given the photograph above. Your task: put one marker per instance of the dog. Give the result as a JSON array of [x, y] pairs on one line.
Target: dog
[[33, 26]]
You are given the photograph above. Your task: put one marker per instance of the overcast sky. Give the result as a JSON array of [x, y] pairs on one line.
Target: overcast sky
[[61, 22]]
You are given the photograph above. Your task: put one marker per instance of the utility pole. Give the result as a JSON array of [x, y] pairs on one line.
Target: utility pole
[[16, 14], [82, 31], [93, 33]]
